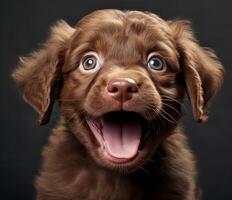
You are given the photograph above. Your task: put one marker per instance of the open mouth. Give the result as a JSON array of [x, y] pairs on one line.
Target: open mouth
[[121, 134]]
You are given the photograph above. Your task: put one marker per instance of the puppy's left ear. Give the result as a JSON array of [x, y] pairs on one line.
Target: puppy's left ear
[[203, 71], [39, 73]]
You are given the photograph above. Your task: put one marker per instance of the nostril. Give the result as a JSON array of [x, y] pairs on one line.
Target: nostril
[[113, 87], [132, 89], [113, 90]]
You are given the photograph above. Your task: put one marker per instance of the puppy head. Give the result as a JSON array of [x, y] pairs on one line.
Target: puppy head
[[120, 77]]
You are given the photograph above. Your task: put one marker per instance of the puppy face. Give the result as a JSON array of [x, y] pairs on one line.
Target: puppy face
[[124, 75], [117, 84]]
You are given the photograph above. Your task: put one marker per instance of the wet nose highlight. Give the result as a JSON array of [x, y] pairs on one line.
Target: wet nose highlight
[[122, 89]]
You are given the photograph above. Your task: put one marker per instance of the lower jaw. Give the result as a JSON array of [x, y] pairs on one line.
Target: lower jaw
[[118, 160], [122, 166]]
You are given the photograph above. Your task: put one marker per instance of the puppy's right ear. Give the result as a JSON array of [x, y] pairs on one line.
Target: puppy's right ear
[[38, 74]]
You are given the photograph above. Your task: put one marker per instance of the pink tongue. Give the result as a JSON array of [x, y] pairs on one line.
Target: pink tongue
[[122, 138]]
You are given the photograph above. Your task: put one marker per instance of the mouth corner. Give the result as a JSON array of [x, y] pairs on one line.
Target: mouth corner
[[121, 135]]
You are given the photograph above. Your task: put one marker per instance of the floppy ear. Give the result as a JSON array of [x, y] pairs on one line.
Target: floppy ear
[[39, 74], [203, 71]]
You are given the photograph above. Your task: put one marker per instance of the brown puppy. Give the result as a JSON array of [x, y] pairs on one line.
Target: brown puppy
[[120, 78]]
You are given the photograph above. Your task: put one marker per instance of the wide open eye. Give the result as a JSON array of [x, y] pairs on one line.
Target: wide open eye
[[90, 62], [156, 63]]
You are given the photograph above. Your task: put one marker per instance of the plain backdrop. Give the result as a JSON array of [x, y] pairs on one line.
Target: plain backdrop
[[24, 24]]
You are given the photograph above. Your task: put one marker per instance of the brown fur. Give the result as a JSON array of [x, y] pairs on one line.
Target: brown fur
[[73, 164]]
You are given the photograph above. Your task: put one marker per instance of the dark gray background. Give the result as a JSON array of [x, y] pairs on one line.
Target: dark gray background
[[24, 24]]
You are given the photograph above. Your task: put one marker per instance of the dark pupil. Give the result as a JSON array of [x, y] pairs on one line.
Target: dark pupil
[[89, 63], [155, 63]]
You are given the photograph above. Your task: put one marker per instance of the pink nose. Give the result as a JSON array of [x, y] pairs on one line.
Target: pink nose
[[122, 89]]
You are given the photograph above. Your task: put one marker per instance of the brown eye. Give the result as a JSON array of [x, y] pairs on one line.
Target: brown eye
[[90, 63]]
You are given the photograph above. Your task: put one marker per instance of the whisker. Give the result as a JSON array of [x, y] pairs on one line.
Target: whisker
[[71, 118], [162, 115], [164, 112], [146, 171], [168, 98], [178, 112], [152, 161]]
